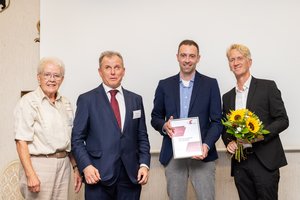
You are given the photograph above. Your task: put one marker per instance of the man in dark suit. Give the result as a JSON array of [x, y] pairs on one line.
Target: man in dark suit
[[188, 94], [109, 138], [257, 177]]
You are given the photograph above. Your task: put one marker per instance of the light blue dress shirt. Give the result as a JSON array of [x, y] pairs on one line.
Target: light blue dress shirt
[[186, 88]]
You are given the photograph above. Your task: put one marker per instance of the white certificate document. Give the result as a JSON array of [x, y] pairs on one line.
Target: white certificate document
[[186, 140]]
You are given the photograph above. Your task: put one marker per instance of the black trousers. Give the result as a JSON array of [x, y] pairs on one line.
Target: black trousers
[[253, 181]]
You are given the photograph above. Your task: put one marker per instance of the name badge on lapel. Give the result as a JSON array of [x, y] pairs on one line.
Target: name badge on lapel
[[136, 114]]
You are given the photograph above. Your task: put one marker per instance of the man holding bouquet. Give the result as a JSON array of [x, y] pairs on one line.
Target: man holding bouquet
[[256, 176]]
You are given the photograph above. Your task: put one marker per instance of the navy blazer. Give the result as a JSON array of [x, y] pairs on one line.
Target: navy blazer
[[205, 104], [97, 139], [264, 99]]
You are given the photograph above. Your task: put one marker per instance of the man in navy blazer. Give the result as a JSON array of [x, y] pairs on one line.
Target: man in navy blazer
[[112, 150], [188, 94], [257, 177]]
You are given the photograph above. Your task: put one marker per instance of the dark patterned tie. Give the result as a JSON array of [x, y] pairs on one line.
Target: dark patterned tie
[[115, 106]]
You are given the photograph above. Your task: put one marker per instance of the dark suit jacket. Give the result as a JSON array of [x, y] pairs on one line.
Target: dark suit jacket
[[97, 139], [264, 99], [205, 103]]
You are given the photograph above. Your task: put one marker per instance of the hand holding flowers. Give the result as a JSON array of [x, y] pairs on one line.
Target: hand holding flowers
[[246, 127]]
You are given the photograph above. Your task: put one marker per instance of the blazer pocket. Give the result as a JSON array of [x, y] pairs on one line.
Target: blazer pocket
[[95, 154]]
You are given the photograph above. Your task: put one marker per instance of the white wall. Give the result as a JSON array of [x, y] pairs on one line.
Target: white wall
[[19, 56], [147, 33]]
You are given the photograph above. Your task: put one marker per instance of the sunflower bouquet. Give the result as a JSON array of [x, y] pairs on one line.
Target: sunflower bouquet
[[246, 127]]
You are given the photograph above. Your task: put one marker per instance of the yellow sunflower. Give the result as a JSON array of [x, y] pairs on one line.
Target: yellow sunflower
[[252, 124], [249, 113], [237, 115]]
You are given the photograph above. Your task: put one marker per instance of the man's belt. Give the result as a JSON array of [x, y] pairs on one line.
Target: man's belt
[[60, 154]]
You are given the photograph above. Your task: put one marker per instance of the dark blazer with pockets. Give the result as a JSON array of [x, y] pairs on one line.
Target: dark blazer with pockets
[[205, 104], [97, 139], [264, 99]]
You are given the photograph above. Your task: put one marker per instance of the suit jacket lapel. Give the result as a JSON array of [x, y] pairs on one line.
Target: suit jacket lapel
[[102, 96], [195, 92], [251, 92], [232, 99], [128, 109], [107, 107], [176, 93]]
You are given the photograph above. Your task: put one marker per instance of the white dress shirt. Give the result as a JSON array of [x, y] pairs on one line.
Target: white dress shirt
[[122, 107], [120, 99], [241, 99], [242, 95]]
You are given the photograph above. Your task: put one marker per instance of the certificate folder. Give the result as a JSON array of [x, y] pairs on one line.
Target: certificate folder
[[186, 139]]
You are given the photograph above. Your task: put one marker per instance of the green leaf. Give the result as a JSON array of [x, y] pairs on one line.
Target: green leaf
[[230, 131], [265, 132], [245, 130], [227, 123]]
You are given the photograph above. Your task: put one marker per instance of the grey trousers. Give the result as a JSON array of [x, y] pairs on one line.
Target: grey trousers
[[201, 174]]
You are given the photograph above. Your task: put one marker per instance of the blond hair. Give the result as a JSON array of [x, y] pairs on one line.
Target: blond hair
[[240, 48]]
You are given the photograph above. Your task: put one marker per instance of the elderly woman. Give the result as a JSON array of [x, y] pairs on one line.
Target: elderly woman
[[43, 123]]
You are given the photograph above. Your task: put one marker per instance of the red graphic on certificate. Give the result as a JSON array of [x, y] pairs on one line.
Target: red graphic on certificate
[[193, 146], [178, 131]]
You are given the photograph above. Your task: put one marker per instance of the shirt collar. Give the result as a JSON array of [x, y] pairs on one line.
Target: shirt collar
[[42, 95], [107, 89], [192, 79], [245, 86]]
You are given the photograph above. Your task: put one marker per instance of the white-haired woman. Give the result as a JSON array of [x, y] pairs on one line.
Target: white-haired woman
[[43, 124]]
